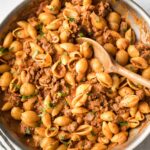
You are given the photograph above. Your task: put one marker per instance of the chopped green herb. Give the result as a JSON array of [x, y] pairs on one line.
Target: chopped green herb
[[71, 19], [52, 105], [17, 87], [64, 140], [68, 85], [66, 103], [97, 20], [62, 94], [90, 33], [3, 50], [52, 129], [52, 8], [89, 94], [27, 131], [39, 29], [81, 34], [123, 123], [27, 97], [93, 133], [11, 49], [35, 54], [40, 115], [65, 53]]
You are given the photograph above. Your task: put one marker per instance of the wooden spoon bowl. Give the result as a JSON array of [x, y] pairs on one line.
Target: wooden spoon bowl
[[111, 66]]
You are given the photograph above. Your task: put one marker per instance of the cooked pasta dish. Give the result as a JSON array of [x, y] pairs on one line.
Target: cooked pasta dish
[[57, 92]]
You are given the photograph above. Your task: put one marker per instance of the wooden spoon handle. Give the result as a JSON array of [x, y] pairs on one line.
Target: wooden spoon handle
[[131, 76]]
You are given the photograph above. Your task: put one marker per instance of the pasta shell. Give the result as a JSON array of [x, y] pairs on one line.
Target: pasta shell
[[113, 127], [69, 47], [69, 77], [133, 85], [53, 36], [81, 66], [120, 137], [20, 33], [84, 130], [98, 22], [36, 49], [54, 7], [108, 116], [105, 79], [16, 46], [51, 132], [66, 26], [87, 2], [23, 24], [133, 123], [72, 63], [133, 110], [96, 65], [144, 108], [15, 84], [83, 89], [58, 70], [147, 91], [29, 104], [129, 101], [40, 131], [116, 82], [8, 40], [31, 31], [106, 131], [65, 59], [30, 118], [139, 116], [79, 100], [57, 109], [62, 121], [54, 25], [70, 14], [91, 76], [46, 18], [16, 113], [86, 50], [43, 60], [46, 104], [46, 120], [64, 36], [99, 146], [113, 34], [76, 54], [48, 143], [139, 62], [7, 106], [79, 110]]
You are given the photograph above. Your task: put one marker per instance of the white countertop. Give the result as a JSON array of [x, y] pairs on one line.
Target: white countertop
[[7, 5]]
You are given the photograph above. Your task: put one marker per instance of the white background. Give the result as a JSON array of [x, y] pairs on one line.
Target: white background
[[7, 5]]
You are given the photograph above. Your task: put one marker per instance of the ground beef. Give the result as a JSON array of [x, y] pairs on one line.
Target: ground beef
[[72, 127], [48, 47], [89, 117], [42, 5], [146, 55], [140, 94], [103, 9], [86, 21], [14, 98], [76, 2]]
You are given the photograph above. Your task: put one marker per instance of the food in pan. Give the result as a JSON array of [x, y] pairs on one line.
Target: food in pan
[[58, 93]]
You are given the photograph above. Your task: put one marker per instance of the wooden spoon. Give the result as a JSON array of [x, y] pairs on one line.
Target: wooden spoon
[[111, 66]]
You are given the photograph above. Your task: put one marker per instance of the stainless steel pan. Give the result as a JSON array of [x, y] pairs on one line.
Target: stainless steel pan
[[140, 22]]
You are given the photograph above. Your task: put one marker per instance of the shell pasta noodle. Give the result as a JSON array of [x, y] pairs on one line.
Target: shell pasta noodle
[[57, 93]]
